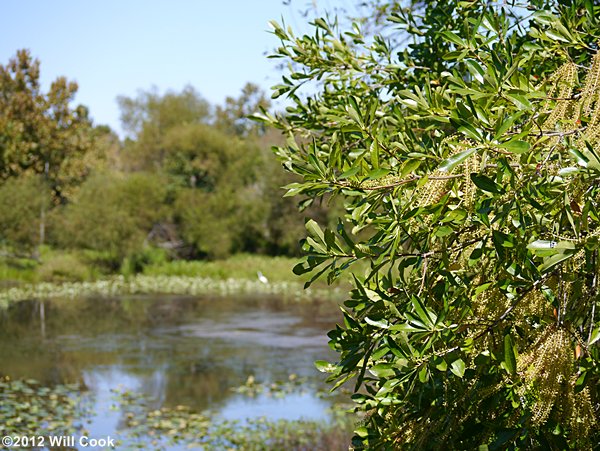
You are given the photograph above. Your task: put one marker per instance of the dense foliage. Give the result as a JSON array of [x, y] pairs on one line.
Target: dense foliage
[[41, 133], [21, 200], [463, 137], [190, 181]]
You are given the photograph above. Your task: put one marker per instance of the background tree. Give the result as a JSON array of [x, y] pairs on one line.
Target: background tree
[[21, 200], [41, 133], [219, 170], [148, 118], [196, 178], [468, 162], [112, 214], [233, 117]]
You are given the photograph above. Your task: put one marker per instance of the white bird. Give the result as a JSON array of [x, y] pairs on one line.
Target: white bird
[[262, 278]]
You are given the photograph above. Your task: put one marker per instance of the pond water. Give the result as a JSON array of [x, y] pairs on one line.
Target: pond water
[[173, 350]]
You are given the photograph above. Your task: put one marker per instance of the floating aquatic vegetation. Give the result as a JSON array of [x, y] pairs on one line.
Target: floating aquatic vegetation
[[166, 427], [28, 408], [184, 285], [294, 384]]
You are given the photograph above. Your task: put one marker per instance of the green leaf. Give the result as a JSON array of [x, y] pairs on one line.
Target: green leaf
[[557, 36], [320, 247], [458, 368], [554, 260], [379, 353], [362, 432], [450, 163], [382, 324], [456, 215], [411, 103], [520, 101], [293, 189], [510, 360], [545, 17], [374, 150], [516, 146], [503, 239], [383, 370], [486, 184], [300, 269], [350, 172], [424, 374], [426, 316], [579, 157], [405, 328], [469, 131], [314, 230], [372, 295], [595, 336], [502, 127], [455, 39], [321, 24], [325, 367], [353, 112], [409, 167], [441, 364], [378, 173], [331, 242], [476, 70], [568, 171]]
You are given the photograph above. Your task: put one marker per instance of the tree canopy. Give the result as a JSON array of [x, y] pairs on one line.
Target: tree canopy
[[463, 137], [41, 133], [218, 169]]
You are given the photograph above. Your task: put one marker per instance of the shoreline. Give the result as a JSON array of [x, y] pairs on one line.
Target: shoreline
[[167, 284]]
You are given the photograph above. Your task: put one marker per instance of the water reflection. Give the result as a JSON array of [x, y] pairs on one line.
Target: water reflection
[[292, 407], [176, 350]]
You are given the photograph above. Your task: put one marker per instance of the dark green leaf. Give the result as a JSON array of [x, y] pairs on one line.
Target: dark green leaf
[[486, 184], [510, 360]]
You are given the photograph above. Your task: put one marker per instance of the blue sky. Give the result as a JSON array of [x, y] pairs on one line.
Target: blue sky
[[115, 48]]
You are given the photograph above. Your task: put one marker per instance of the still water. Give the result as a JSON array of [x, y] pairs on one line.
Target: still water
[[174, 350]]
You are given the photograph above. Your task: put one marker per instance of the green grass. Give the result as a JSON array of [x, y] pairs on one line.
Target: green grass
[[53, 266], [65, 266], [68, 274], [241, 266], [17, 270], [61, 273], [60, 265]]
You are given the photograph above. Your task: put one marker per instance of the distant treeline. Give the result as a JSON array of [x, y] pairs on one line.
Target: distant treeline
[[191, 180]]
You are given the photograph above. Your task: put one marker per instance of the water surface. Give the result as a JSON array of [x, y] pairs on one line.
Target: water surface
[[174, 350]]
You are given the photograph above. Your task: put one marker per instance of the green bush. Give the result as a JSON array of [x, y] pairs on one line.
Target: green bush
[[222, 222], [469, 163], [59, 267], [112, 213], [21, 203], [138, 261], [16, 270]]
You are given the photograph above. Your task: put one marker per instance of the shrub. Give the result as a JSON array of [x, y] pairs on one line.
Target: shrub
[[21, 203], [63, 268], [469, 162], [112, 213]]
